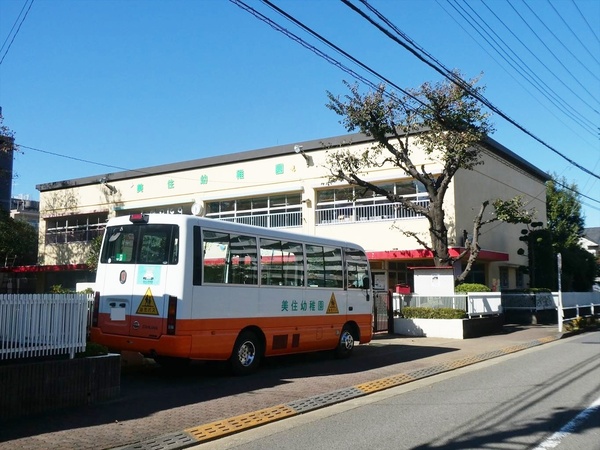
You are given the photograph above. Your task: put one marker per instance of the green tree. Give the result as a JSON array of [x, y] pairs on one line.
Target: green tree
[[7, 137], [566, 224], [93, 254], [564, 215], [444, 121], [18, 241]]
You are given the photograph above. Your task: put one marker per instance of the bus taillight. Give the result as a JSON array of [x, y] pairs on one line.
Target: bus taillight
[[138, 218], [171, 315], [95, 309]]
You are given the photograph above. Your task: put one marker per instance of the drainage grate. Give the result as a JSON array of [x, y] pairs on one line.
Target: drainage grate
[[232, 425], [170, 441], [318, 401]]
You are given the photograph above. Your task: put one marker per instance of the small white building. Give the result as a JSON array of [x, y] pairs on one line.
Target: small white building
[[286, 187]]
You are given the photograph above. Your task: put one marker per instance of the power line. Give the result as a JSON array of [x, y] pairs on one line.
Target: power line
[[573, 33], [552, 53], [533, 54], [440, 68], [286, 32], [74, 158], [520, 66], [586, 21], [567, 49], [16, 32], [473, 24]]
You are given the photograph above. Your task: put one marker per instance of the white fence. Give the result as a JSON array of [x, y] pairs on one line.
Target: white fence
[[42, 325], [568, 304], [476, 304], [575, 304]]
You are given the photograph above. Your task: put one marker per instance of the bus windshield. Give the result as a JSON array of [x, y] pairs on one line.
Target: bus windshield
[[141, 244]]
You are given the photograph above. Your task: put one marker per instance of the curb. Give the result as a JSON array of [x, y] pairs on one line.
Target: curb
[[226, 427]]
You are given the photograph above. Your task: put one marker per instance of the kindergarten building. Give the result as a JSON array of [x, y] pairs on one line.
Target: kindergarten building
[[287, 187]]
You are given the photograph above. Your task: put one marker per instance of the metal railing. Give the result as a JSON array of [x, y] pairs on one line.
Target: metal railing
[[270, 220], [476, 304], [571, 305], [37, 325], [369, 213]]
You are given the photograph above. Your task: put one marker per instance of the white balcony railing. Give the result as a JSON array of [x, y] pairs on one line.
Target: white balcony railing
[[372, 213], [269, 220]]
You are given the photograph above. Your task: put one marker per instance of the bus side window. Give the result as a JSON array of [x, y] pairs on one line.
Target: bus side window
[[197, 277], [271, 262], [293, 263], [355, 276], [243, 260], [334, 274], [315, 266], [215, 256]]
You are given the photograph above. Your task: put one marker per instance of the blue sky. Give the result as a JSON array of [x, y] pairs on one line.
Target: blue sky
[[91, 86]]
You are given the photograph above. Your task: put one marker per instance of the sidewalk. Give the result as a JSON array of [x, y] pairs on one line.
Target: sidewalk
[[157, 411]]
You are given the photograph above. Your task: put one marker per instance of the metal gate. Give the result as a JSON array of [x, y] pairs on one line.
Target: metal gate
[[381, 311]]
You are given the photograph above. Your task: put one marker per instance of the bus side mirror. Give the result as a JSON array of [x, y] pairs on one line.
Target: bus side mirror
[[366, 283]]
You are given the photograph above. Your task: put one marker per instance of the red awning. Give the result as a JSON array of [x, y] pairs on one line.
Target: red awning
[[484, 255], [52, 268]]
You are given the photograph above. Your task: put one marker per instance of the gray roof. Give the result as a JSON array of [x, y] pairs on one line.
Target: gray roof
[[250, 155], [592, 234]]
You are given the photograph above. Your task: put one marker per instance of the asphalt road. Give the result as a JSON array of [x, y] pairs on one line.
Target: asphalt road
[[539, 398], [155, 403]]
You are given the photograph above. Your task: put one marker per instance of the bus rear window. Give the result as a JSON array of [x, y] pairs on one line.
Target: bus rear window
[[147, 244]]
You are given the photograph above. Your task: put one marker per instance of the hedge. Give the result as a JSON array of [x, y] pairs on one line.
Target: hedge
[[412, 312]]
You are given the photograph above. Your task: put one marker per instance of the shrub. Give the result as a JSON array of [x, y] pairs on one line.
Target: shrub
[[472, 287], [412, 312], [581, 323], [93, 349], [59, 289]]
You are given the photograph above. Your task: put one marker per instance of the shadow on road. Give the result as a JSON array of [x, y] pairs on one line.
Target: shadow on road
[[147, 389]]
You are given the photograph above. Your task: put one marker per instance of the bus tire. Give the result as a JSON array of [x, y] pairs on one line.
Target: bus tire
[[345, 344], [246, 355]]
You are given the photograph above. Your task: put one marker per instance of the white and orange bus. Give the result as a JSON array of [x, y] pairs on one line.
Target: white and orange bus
[[179, 288]]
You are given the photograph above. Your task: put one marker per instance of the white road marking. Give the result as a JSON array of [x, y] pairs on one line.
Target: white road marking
[[565, 431]]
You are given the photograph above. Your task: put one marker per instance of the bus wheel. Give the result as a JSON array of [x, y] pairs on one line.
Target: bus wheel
[[246, 355], [346, 343]]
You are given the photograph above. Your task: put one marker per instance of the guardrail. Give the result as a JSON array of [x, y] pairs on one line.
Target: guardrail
[[576, 304], [43, 324], [476, 304]]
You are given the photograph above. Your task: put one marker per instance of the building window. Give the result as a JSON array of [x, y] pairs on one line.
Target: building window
[[504, 278], [355, 204], [62, 230], [477, 274], [273, 211], [520, 281]]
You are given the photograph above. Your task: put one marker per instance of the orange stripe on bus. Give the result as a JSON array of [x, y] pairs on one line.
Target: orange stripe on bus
[[213, 339]]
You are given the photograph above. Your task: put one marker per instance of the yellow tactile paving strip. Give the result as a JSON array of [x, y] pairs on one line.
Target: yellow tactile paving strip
[[240, 423], [226, 427]]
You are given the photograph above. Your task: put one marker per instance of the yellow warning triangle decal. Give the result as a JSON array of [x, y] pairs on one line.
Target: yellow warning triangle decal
[[332, 308], [147, 305]]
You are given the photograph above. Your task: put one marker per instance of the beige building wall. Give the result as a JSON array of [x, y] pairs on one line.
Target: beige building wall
[[281, 170], [497, 179]]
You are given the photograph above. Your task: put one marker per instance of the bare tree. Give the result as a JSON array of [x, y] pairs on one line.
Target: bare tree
[[444, 121]]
